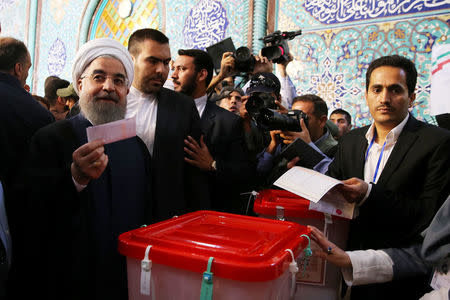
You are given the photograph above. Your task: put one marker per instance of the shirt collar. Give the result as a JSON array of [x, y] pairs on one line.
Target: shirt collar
[[200, 103], [201, 100], [323, 137], [392, 136], [134, 92]]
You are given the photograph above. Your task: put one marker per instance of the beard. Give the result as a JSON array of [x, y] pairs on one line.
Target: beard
[[100, 112], [188, 87]]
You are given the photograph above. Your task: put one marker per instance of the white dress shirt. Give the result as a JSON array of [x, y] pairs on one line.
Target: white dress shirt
[[144, 107], [375, 151], [373, 266], [370, 165], [200, 103], [368, 266]]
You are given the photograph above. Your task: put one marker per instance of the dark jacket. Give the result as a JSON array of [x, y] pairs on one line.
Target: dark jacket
[[224, 137], [412, 186], [74, 234]]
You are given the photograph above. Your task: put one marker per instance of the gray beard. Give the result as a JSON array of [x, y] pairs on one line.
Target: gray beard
[[102, 112]]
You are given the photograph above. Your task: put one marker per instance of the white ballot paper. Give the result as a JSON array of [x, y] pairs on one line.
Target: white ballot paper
[[113, 131], [319, 189]]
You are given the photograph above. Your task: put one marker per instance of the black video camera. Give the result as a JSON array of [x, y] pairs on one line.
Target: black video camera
[[244, 61], [278, 50], [262, 108]]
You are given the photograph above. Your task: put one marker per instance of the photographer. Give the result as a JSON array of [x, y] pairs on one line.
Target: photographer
[[228, 69], [316, 137]]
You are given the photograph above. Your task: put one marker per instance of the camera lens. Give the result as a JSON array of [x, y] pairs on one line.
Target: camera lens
[[243, 54]]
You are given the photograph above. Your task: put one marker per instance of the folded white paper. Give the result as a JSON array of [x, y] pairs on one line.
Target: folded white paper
[[319, 189], [113, 131]]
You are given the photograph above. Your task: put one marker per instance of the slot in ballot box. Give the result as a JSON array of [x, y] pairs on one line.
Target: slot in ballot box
[[222, 255], [321, 280]]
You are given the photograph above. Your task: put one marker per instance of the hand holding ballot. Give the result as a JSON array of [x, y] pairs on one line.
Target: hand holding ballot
[[322, 191], [353, 189], [89, 162]]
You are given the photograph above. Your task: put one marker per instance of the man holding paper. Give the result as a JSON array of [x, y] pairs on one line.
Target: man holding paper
[[397, 170], [84, 193]]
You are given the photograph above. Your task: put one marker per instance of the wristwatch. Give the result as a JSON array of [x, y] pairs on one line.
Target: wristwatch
[[213, 166]]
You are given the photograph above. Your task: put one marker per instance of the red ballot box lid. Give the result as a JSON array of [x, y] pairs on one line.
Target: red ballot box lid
[[266, 203], [244, 248]]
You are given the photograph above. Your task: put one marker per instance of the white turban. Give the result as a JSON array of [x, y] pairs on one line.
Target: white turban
[[98, 47]]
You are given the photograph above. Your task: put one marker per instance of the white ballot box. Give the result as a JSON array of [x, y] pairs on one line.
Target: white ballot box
[[321, 280]]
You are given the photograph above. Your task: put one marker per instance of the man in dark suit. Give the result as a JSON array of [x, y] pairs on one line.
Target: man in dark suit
[[164, 119], [20, 117], [221, 151], [84, 194], [397, 171]]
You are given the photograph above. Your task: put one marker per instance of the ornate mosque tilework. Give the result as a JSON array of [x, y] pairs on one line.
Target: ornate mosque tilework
[[333, 63], [56, 58], [50, 60], [205, 25], [13, 18], [145, 14], [340, 11], [6, 3], [58, 9], [179, 13]]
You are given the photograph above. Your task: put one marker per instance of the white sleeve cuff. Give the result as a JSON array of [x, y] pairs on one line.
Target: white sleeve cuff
[[78, 186], [368, 266]]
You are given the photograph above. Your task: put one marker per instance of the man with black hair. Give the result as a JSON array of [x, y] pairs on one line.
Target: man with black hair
[[343, 121], [230, 98], [164, 119], [316, 137], [396, 170], [58, 105], [221, 151], [20, 117]]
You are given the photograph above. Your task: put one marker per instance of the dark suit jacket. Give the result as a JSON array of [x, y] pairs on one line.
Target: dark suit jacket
[[412, 186], [224, 137], [178, 186], [20, 117], [74, 235]]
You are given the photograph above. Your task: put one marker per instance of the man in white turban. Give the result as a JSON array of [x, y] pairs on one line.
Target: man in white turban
[[84, 194]]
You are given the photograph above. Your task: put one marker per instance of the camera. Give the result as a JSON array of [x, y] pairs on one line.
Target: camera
[[278, 49], [244, 61], [262, 108]]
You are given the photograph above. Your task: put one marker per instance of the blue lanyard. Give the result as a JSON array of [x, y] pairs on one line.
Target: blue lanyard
[[379, 158]]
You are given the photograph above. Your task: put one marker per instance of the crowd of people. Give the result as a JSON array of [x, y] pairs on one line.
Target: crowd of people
[[197, 146]]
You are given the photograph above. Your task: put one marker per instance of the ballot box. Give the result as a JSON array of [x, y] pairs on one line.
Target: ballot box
[[321, 279], [212, 255]]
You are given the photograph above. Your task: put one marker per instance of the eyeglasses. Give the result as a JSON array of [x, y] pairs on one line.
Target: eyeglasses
[[100, 78]]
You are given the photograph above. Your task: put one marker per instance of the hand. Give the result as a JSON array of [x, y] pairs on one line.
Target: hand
[[274, 141], [337, 256], [262, 65], [290, 136], [282, 66], [89, 162], [226, 65], [293, 162], [201, 158], [354, 189]]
